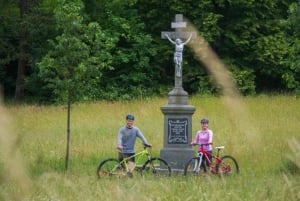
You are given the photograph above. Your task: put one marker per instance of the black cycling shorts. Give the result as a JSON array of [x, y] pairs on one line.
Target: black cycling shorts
[[126, 155]]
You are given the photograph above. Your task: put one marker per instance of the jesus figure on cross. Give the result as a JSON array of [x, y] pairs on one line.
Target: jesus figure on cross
[[179, 45]]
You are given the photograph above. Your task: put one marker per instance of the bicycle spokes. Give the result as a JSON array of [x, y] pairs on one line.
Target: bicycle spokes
[[156, 167], [192, 166], [226, 169], [228, 165], [110, 168]]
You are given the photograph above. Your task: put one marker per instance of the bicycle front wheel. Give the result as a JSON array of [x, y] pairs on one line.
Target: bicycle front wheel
[[110, 168], [228, 166], [192, 167], [157, 167]]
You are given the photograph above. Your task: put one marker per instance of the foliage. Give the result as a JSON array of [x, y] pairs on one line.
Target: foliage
[[292, 73], [42, 27], [244, 78], [260, 39], [78, 55], [9, 17], [254, 36], [134, 71]]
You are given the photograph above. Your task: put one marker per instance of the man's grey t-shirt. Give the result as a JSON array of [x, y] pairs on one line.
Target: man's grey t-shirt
[[127, 137]]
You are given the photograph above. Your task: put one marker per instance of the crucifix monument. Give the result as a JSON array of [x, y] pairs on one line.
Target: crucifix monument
[[177, 114]]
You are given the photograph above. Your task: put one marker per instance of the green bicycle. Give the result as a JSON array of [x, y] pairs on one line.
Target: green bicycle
[[145, 165]]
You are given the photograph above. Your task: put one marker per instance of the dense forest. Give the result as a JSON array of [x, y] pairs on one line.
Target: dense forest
[[112, 49]]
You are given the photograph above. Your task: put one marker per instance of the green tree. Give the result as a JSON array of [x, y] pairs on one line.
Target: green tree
[[9, 33], [23, 51], [135, 72], [253, 39], [292, 74], [72, 68], [23, 42], [41, 29]]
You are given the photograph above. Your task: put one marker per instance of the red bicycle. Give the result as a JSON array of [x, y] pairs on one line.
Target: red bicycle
[[223, 165]]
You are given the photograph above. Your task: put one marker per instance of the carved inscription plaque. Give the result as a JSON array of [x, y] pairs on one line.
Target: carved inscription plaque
[[177, 131]]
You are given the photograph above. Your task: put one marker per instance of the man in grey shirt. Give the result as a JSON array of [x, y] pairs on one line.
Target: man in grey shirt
[[126, 140]]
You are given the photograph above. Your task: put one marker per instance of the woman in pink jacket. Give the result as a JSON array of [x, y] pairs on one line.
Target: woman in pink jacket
[[204, 138]]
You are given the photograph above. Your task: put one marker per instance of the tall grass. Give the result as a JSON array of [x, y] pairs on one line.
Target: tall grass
[[256, 133]]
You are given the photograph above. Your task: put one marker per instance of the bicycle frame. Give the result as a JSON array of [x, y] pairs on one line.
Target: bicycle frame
[[207, 155], [138, 156]]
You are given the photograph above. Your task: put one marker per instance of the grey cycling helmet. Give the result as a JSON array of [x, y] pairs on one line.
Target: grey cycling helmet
[[204, 121], [130, 117]]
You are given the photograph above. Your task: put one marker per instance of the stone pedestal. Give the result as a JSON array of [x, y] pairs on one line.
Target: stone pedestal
[[177, 129]]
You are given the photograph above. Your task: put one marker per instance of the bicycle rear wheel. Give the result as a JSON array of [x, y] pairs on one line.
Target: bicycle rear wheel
[[192, 167], [157, 167], [228, 166], [110, 168]]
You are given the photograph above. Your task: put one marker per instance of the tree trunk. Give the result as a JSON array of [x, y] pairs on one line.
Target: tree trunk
[[23, 48], [68, 131]]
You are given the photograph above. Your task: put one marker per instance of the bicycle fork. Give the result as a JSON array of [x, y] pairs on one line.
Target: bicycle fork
[[152, 165], [197, 166]]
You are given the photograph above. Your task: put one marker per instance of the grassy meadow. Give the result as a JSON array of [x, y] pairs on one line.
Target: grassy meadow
[[262, 133]]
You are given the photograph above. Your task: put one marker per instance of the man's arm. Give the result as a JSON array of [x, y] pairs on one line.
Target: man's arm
[[119, 140], [141, 136]]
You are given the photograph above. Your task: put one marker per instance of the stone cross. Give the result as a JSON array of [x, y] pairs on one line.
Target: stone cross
[[177, 37], [177, 114]]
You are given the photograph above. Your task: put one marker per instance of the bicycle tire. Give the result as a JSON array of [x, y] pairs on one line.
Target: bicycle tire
[[191, 167], [156, 166], [228, 165], [110, 167]]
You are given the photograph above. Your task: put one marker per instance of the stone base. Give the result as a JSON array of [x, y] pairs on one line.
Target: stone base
[[177, 157], [178, 97]]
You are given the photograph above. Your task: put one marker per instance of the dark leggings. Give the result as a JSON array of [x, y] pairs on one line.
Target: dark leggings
[[205, 163]]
